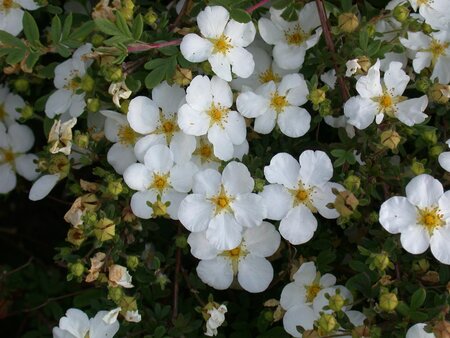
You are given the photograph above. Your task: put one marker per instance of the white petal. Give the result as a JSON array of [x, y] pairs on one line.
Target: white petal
[[396, 79], [294, 121], [315, 167], [422, 60], [31, 5], [415, 239], [269, 32], [181, 176], [300, 315], [278, 201], [11, 21], [77, 105], [224, 233], [306, 273], [221, 92], [111, 316], [26, 166], [410, 112], [242, 63], [174, 198], [439, 244], [145, 143], [137, 176], [424, 191], [98, 327], [283, 169], [200, 247], [195, 212], [444, 160], [207, 182], [263, 240], [143, 115], [360, 111], [58, 103], [289, 56], [168, 98], [441, 68], [223, 146], [265, 123], [42, 187], [298, 226], [418, 331], [355, 317], [216, 272], [237, 179], [240, 34], [76, 322], [444, 207], [249, 209], [255, 273], [250, 104], [327, 280], [416, 41], [139, 204], [120, 157], [293, 294], [8, 178], [397, 214], [182, 147], [198, 94], [212, 20], [159, 159], [322, 196], [309, 17], [11, 104], [369, 86], [220, 65], [235, 128], [21, 138], [192, 121], [195, 48]]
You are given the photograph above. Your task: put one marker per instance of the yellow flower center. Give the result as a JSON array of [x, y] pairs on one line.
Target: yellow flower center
[[296, 36], [268, 76], [217, 114], [301, 195], [430, 218], [222, 44], [234, 252], [205, 151], [422, 2], [168, 126], [8, 4], [221, 201], [3, 113], [385, 101], [160, 182], [74, 84], [437, 49], [8, 156], [126, 135], [234, 255], [278, 102], [312, 291]]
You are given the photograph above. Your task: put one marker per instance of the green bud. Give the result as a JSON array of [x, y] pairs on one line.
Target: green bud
[[27, 112], [115, 188], [93, 105], [87, 83], [150, 18], [181, 241], [436, 150], [317, 96], [76, 269], [115, 294], [388, 302], [59, 164], [430, 136], [326, 324], [371, 30], [336, 302], [116, 74], [423, 84], [373, 217], [124, 106], [352, 182], [421, 265], [268, 315], [21, 85], [401, 13], [325, 108], [97, 39], [259, 184], [417, 167], [132, 262], [161, 279], [348, 22], [415, 26], [381, 261], [426, 28], [81, 140], [436, 93]]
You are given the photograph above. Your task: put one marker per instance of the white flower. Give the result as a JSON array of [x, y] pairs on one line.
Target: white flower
[[119, 276], [222, 205], [247, 261], [117, 130], [133, 316], [9, 104], [329, 78], [278, 104], [119, 90], [159, 181], [76, 324], [422, 217], [14, 143], [216, 319], [208, 111], [352, 67], [431, 51], [68, 76], [305, 287], [418, 331], [299, 190], [156, 118], [435, 12], [60, 136], [11, 14], [379, 98], [444, 158], [291, 39], [222, 43]]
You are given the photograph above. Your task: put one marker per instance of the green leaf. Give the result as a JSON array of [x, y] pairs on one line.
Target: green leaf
[[32, 59], [155, 77], [107, 27], [84, 30], [418, 298], [15, 55], [363, 39], [122, 25], [137, 27], [11, 40], [290, 14], [30, 28], [240, 15], [67, 26], [56, 29], [152, 64], [281, 4]]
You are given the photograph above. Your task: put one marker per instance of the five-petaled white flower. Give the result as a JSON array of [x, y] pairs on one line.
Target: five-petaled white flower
[[379, 98], [291, 39], [160, 183], [10, 103], [223, 43], [247, 261], [208, 111], [418, 331], [422, 217], [222, 205], [435, 12], [299, 190], [76, 324], [11, 14], [272, 104]]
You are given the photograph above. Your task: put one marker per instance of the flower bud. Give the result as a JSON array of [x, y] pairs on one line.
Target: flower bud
[[115, 188], [352, 183], [426, 28], [59, 164], [132, 262], [105, 229], [326, 324], [81, 140], [93, 105], [436, 93], [390, 139], [27, 112], [401, 13], [417, 167], [381, 261], [127, 9], [75, 236], [420, 265], [161, 279], [388, 302], [21, 85], [115, 294], [97, 39], [268, 315], [317, 96], [414, 26], [124, 106], [371, 30], [348, 22], [429, 135], [373, 217], [150, 18], [259, 184], [87, 83], [336, 302], [435, 151], [76, 269], [423, 84]]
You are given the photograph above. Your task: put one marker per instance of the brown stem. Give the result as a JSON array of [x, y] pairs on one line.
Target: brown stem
[[254, 7], [142, 47], [330, 44]]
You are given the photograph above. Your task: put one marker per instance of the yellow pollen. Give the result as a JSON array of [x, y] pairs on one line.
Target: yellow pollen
[[168, 127], [126, 135], [422, 2], [301, 195], [268, 76], [296, 36], [430, 218], [234, 252], [386, 101], [217, 114], [221, 45], [74, 84], [205, 151], [8, 156], [278, 102], [221, 201], [312, 291], [160, 182], [8, 4]]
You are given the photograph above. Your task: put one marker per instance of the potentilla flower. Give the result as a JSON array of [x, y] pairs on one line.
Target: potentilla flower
[[119, 276], [379, 98], [60, 136], [273, 104], [222, 205], [160, 183], [11, 14], [215, 320], [305, 287], [435, 12], [10, 103], [422, 217], [14, 144], [223, 43], [97, 263], [76, 324], [118, 130], [247, 261], [299, 190], [156, 118], [291, 39], [431, 51], [418, 331], [352, 67], [208, 111], [68, 83], [119, 90]]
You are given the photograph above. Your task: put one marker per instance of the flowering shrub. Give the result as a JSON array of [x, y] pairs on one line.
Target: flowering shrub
[[225, 168]]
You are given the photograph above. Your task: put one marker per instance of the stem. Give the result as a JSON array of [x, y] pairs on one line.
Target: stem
[[329, 41], [142, 47], [254, 7]]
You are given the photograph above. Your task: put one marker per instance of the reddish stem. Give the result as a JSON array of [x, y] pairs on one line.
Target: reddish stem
[[254, 7], [141, 47]]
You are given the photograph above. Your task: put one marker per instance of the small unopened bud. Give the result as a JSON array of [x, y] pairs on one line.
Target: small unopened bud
[[317, 96], [115, 294], [437, 93], [268, 315], [430, 136], [336, 302], [124, 106], [105, 229], [352, 182], [150, 18], [259, 184], [388, 302], [371, 30], [435, 151], [381, 261], [21, 85], [414, 26], [115, 188], [420, 265], [401, 13], [77, 269], [326, 324], [426, 28], [81, 140], [417, 167], [27, 112], [132, 262], [390, 139], [97, 39], [325, 108], [348, 22], [87, 83], [93, 105], [59, 164], [161, 279], [423, 84], [181, 241]]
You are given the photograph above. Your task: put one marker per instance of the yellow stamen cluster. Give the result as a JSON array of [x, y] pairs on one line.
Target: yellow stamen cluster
[[278, 102], [268, 76], [296, 36], [437, 49], [217, 114], [168, 126], [222, 44], [7, 4], [3, 112], [7, 156], [127, 135], [160, 182], [430, 218], [312, 291], [221, 201]]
